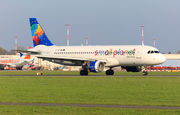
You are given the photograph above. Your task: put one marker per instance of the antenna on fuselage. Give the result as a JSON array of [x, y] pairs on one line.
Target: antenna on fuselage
[[142, 35]]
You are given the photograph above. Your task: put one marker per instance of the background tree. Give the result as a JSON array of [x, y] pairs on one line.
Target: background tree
[[178, 52], [1, 51]]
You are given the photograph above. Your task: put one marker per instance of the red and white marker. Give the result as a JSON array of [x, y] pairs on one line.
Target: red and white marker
[[67, 34], [16, 44], [142, 35]]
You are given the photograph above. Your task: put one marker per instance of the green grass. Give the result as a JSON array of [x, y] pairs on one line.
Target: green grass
[[41, 110], [92, 90], [34, 72], [89, 90]]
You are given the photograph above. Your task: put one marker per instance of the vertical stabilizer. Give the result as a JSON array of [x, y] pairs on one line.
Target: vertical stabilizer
[[27, 57], [38, 35]]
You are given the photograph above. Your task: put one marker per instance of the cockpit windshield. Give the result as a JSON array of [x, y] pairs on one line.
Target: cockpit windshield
[[151, 52], [156, 51]]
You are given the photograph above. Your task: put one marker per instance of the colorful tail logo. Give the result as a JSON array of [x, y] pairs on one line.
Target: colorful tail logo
[[38, 35]]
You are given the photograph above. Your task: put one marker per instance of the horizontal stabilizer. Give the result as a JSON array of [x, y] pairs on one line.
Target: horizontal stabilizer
[[28, 51]]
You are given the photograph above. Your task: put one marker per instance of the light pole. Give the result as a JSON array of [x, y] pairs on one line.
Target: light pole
[[67, 34], [87, 41], [16, 44], [142, 35], [154, 41]]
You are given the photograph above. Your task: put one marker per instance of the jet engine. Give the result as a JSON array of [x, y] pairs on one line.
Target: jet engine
[[95, 66], [133, 68]]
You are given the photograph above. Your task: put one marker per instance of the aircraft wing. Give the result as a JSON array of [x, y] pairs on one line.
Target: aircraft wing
[[69, 58]]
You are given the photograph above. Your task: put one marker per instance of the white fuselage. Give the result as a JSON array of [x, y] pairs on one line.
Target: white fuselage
[[14, 62], [122, 55]]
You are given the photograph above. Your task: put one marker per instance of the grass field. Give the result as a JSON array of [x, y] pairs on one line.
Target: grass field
[[157, 91], [92, 90]]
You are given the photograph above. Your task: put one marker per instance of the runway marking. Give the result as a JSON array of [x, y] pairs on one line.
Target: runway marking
[[93, 105]]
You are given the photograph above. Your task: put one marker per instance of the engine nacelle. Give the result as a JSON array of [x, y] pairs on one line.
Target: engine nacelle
[[95, 66], [133, 68]]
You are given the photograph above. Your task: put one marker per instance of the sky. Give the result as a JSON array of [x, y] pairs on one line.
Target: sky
[[105, 22]]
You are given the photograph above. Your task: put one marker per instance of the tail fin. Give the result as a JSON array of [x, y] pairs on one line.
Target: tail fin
[[38, 35], [27, 56]]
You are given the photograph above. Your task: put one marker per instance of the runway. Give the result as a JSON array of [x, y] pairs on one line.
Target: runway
[[88, 76], [93, 105]]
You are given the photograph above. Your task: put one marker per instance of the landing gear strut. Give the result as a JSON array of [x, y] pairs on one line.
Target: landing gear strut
[[83, 72], [144, 71], [109, 72]]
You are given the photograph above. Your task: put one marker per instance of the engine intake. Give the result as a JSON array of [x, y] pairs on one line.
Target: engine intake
[[95, 66]]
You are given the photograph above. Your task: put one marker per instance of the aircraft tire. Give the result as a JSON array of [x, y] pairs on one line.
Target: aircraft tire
[[83, 72], [145, 73], [109, 72]]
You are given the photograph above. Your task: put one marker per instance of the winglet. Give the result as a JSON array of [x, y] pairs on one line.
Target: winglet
[[20, 54]]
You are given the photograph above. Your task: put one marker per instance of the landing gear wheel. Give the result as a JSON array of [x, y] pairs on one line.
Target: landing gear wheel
[[109, 72], [83, 72], [145, 73]]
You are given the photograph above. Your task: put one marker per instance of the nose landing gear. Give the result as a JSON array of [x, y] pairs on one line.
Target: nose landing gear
[[144, 73]]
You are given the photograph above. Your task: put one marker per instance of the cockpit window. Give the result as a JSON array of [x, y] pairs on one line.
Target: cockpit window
[[151, 52], [156, 51]]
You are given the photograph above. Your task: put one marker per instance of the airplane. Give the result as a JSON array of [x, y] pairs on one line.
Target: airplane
[[94, 58], [17, 63]]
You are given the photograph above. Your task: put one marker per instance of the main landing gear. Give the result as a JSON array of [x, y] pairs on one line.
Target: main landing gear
[[83, 72], [109, 72]]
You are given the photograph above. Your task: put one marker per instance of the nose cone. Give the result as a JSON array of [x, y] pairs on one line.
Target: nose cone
[[162, 59]]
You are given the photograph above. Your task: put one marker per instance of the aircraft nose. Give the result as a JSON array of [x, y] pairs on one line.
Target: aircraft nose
[[162, 59]]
